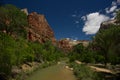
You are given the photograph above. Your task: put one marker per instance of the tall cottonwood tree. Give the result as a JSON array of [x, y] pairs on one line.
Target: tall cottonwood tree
[[108, 41]]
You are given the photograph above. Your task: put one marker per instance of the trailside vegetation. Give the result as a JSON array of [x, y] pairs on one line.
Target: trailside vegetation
[[15, 49], [104, 48]]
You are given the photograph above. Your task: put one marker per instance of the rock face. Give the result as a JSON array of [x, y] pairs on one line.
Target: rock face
[[25, 11], [39, 29], [65, 45], [106, 24], [68, 44]]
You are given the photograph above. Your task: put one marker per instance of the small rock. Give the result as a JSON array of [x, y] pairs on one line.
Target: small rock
[[71, 69], [67, 67], [58, 62]]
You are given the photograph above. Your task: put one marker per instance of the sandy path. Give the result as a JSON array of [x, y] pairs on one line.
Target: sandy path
[[57, 72]]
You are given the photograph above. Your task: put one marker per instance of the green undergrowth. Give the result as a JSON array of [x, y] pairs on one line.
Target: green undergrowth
[[83, 72]]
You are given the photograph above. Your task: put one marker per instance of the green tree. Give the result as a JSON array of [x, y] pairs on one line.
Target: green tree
[[79, 48], [13, 20], [118, 16], [77, 53], [37, 49], [7, 45], [51, 52], [23, 51], [107, 42]]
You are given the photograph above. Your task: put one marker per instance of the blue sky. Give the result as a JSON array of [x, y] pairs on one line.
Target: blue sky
[[76, 19]]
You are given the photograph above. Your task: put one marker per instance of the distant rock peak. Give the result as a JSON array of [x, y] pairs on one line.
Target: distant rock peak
[[67, 44]]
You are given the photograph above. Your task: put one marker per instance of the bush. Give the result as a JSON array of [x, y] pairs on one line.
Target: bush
[[84, 72], [7, 45], [82, 53], [78, 50], [13, 21], [88, 57], [107, 43], [51, 52], [45, 52], [37, 49], [14, 48], [99, 58]]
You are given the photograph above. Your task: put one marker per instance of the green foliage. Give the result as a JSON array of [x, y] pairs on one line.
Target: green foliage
[[88, 56], [13, 20], [50, 52], [76, 53], [118, 16], [13, 52], [37, 49], [84, 72], [107, 43], [6, 53], [99, 58], [14, 48], [23, 52], [82, 53], [19, 51], [45, 52], [104, 48], [79, 48]]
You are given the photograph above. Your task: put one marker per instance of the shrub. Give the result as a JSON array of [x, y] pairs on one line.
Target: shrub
[[82, 53], [51, 52], [13, 21], [7, 45], [88, 57], [107, 43], [84, 72]]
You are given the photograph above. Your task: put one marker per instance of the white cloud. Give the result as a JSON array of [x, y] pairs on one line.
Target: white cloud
[[77, 22], [107, 10], [83, 18], [93, 21], [112, 9], [114, 3], [74, 15]]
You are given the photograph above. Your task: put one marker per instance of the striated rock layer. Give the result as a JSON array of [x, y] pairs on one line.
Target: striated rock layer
[[39, 29]]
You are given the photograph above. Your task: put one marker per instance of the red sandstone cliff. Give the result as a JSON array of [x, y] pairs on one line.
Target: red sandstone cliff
[[65, 45], [39, 29]]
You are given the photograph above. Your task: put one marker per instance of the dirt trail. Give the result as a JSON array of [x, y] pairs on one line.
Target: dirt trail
[[57, 72]]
